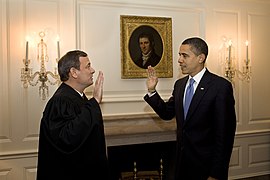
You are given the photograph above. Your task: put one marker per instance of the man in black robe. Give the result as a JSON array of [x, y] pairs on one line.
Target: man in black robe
[[72, 142]]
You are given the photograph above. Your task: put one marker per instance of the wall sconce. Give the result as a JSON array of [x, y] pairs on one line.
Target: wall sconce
[[231, 71], [43, 76]]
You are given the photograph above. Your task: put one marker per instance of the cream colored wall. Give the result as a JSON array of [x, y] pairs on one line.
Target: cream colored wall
[[94, 26]]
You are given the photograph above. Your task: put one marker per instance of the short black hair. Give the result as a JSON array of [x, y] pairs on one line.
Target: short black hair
[[198, 46]]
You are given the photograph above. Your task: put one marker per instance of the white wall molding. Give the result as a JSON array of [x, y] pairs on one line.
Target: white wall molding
[[94, 26]]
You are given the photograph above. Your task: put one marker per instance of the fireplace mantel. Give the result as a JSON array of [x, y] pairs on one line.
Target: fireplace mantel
[[137, 129]]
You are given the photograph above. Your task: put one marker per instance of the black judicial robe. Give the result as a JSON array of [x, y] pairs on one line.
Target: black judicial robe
[[71, 141]]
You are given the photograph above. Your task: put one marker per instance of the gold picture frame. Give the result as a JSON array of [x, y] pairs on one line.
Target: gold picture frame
[[160, 28]]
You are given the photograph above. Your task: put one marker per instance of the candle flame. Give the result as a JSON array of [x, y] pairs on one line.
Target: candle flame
[[230, 42], [246, 42]]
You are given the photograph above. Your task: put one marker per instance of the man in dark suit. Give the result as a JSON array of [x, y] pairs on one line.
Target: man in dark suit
[[148, 55], [205, 136]]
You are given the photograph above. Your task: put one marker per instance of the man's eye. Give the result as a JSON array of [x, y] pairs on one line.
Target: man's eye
[[184, 55]]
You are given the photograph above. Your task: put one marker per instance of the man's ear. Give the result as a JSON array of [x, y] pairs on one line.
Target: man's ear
[[73, 72], [201, 58]]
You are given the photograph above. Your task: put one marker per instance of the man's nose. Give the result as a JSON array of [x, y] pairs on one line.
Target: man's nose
[[180, 59], [93, 70]]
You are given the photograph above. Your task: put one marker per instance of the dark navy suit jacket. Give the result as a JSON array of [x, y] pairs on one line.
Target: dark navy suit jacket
[[205, 139]]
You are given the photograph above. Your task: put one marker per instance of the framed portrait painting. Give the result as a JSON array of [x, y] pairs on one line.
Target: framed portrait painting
[[146, 41]]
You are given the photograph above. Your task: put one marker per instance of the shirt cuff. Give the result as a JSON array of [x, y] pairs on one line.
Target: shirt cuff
[[150, 94]]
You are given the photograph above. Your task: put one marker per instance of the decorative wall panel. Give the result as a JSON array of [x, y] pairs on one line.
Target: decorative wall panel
[[94, 26], [259, 26]]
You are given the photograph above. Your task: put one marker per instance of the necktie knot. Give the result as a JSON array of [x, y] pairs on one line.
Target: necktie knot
[[191, 82]]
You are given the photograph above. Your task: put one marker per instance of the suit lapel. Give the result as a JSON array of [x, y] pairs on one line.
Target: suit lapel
[[180, 96], [199, 93]]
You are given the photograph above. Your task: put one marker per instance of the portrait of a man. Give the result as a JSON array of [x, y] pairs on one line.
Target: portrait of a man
[[145, 41], [145, 47]]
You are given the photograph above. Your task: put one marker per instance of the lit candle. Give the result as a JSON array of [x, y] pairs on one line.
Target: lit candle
[[26, 54], [58, 47], [230, 46], [247, 52]]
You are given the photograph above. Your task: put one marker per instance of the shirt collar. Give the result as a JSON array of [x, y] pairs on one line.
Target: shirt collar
[[198, 76], [81, 94]]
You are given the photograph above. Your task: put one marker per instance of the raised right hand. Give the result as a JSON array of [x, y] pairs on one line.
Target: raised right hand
[[98, 89], [152, 79]]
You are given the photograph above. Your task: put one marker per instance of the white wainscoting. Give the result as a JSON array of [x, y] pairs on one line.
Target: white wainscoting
[[94, 26]]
